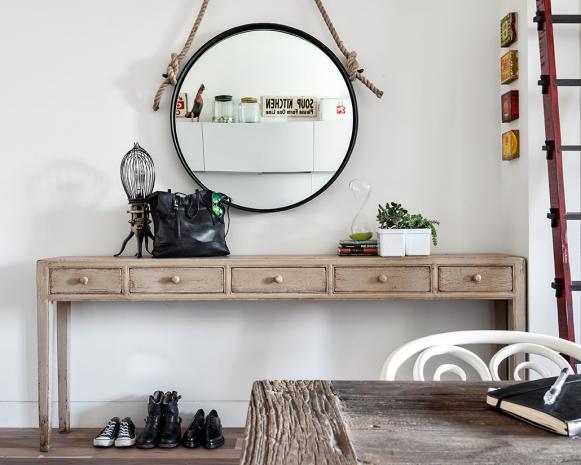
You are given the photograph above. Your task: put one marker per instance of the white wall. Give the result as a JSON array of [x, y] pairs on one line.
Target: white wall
[[76, 88]]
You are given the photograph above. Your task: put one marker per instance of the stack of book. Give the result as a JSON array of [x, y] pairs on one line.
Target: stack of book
[[357, 248]]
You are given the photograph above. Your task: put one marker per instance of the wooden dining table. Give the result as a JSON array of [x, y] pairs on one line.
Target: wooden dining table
[[383, 422]]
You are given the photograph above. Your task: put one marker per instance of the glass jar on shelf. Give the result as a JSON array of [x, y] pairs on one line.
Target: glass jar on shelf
[[249, 110], [223, 109]]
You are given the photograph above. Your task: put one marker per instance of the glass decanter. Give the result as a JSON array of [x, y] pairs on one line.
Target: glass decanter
[[361, 230]]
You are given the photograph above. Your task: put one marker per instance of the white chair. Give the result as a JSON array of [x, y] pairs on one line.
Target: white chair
[[447, 344]]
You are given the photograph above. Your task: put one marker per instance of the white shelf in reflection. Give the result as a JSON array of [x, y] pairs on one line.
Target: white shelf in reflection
[[266, 148]]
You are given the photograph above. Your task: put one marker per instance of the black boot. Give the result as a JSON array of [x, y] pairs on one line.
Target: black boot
[[171, 430], [149, 437]]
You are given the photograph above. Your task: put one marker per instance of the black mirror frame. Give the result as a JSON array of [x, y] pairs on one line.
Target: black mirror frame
[[265, 27]]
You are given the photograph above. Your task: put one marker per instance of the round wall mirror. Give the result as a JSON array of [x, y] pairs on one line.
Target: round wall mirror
[[265, 114]]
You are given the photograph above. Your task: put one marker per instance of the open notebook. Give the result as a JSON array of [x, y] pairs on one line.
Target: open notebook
[[525, 402]]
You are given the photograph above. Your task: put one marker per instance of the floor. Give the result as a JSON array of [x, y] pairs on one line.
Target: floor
[[20, 446]]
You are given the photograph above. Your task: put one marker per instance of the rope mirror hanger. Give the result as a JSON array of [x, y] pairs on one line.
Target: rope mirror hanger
[[353, 69]]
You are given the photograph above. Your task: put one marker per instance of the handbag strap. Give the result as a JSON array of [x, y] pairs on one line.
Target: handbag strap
[[228, 215]]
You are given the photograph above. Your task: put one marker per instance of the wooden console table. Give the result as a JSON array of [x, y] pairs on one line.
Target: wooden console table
[[498, 278]]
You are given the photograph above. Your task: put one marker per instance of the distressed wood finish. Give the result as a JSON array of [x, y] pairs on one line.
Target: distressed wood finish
[[176, 280], [397, 423], [19, 446], [383, 279], [85, 281], [475, 279], [296, 277], [295, 422], [63, 330], [44, 323], [279, 280]]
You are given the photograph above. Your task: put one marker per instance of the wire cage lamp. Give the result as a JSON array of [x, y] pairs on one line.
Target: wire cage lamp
[[138, 178]]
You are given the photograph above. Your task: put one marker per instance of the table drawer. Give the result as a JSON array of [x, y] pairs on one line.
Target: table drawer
[[279, 280], [176, 280], [383, 279], [475, 278], [85, 281]]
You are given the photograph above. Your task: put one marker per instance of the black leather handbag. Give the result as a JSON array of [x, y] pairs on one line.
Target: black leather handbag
[[189, 225]]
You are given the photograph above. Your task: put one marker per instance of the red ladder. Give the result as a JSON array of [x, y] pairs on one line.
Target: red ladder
[[558, 214]]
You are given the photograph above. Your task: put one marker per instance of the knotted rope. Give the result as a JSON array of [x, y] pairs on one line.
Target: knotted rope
[[353, 69], [173, 68]]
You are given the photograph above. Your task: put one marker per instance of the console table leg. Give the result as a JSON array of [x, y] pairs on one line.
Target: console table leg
[[500, 322], [44, 329], [63, 315]]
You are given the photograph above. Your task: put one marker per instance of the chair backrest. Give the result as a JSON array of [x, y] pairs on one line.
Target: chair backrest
[[447, 343]]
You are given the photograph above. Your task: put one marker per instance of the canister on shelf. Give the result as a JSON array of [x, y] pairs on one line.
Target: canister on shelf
[[249, 110], [223, 109]]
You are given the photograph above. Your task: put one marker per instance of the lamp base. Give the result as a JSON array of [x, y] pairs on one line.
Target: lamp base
[[139, 228]]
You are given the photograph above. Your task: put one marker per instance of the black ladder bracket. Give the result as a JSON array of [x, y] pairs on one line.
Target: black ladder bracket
[[576, 286], [557, 284], [544, 83], [539, 18], [549, 147], [553, 215]]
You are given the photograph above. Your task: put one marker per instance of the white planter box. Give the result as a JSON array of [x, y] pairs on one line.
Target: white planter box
[[418, 241], [391, 242]]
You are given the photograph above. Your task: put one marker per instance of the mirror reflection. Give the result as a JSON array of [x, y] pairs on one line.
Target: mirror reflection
[[264, 116]]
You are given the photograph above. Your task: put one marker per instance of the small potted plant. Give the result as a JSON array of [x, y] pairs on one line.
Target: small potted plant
[[390, 234], [419, 233], [401, 233]]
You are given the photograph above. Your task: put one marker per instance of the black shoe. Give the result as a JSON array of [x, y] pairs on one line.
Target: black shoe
[[171, 429], [214, 436], [106, 438], [195, 434], [150, 434], [126, 435]]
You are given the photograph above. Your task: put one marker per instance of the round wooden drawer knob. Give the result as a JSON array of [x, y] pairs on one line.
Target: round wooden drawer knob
[[382, 278], [84, 280], [175, 279], [278, 279], [477, 278]]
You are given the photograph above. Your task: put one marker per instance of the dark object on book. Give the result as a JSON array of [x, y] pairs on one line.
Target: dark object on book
[[525, 402], [510, 110], [189, 225]]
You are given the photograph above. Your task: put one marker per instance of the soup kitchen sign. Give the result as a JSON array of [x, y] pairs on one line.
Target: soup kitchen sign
[[301, 107]]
